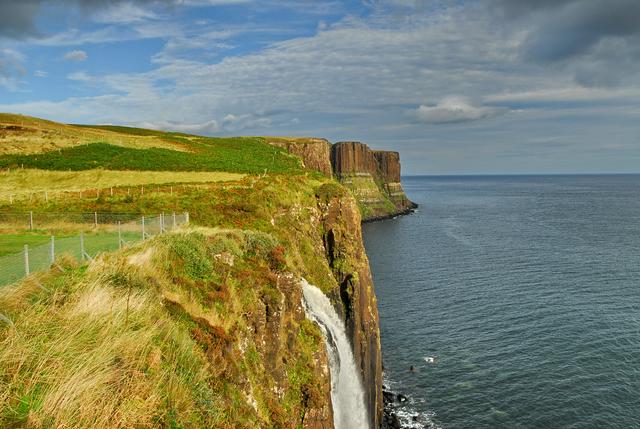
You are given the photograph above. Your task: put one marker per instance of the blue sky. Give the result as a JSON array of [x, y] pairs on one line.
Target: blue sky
[[484, 86]]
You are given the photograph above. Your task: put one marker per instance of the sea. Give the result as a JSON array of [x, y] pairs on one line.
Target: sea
[[512, 301]]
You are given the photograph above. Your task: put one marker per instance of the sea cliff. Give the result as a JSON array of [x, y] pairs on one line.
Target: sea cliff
[[372, 176]]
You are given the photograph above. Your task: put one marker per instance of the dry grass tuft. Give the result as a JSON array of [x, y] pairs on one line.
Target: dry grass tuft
[[95, 350]]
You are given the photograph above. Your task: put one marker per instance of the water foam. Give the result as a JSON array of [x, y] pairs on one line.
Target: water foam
[[347, 393]]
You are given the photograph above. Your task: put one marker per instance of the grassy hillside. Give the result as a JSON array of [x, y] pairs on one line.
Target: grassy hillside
[[197, 329], [23, 134], [35, 143], [200, 328]]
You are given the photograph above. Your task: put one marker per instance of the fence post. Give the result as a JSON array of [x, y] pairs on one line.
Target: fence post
[[171, 190], [174, 221], [46, 196], [95, 219], [11, 199], [82, 245], [186, 218], [52, 250], [119, 236], [112, 191], [143, 232], [26, 259], [31, 220]]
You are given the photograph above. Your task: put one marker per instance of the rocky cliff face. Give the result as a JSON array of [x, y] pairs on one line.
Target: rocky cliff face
[[354, 294], [315, 153], [373, 177]]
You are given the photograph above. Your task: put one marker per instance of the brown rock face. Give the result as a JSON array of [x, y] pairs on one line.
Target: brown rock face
[[352, 158], [315, 153], [388, 165], [373, 177], [355, 297]]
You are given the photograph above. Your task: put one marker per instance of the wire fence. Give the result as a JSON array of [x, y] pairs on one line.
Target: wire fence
[[67, 194], [93, 233]]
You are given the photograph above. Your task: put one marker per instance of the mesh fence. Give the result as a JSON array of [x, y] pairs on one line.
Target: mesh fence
[[87, 242], [20, 221]]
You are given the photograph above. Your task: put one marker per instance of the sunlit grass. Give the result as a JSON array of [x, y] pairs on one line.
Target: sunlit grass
[[26, 135], [19, 182]]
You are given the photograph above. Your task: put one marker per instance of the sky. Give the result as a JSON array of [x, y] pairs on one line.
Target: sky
[[456, 86]]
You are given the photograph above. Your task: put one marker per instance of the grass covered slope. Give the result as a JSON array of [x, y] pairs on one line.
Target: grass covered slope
[[237, 154], [175, 333], [27, 142], [202, 328], [27, 135]]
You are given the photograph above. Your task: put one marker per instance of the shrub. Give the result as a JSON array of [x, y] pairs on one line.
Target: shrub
[[259, 243]]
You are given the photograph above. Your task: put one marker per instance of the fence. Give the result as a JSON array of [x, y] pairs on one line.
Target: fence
[[66, 194], [83, 236]]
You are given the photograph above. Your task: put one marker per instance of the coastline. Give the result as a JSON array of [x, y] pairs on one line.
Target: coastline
[[405, 212]]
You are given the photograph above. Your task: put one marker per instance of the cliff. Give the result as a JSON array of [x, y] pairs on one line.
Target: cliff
[[315, 153], [373, 177], [353, 293]]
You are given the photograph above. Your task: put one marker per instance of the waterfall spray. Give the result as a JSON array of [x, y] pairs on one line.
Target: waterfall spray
[[347, 394]]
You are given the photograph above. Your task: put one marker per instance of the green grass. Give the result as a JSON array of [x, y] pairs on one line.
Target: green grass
[[21, 182], [237, 154], [14, 243], [12, 248]]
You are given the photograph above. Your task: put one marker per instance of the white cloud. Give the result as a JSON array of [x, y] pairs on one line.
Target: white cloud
[[80, 76], [11, 68], [124, 13], [565, 94], [207, 127], [40, 73], [76, 55], [454, 109]]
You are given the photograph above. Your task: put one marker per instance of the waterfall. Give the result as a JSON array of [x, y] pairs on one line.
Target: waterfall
[[347, 394]]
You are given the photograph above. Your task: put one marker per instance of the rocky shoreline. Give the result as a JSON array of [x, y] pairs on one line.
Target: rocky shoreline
[[409, 210], [399, 412]]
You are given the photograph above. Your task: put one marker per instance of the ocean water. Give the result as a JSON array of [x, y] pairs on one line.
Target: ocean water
[[525, 290]]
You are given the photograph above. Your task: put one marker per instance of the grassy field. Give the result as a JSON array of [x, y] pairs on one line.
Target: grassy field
[[12, 248], [26, 135], [18, 181], [237, 154], [14, 243]]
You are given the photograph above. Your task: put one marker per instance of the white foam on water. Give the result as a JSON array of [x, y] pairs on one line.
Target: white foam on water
[[407, 412], [347, 393]]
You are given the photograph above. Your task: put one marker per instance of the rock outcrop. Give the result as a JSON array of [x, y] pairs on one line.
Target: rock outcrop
[[315, 153], [373, 176]]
